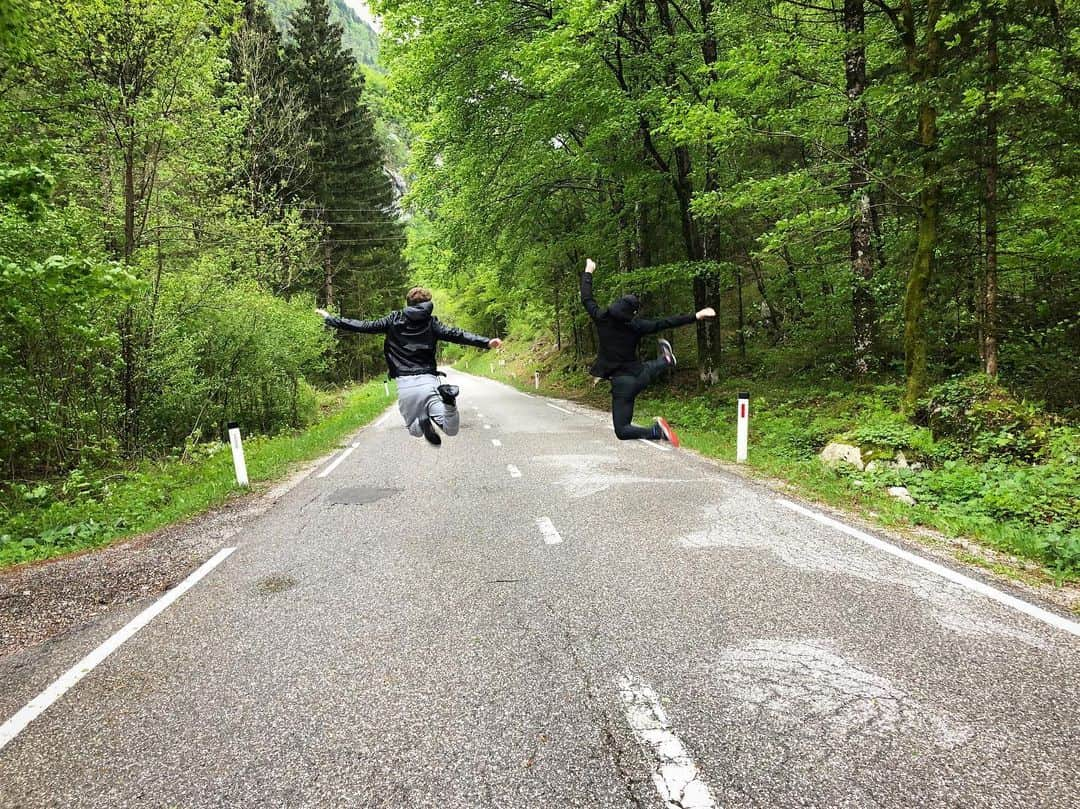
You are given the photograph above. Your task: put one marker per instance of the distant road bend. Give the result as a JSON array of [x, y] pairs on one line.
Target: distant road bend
[[538, 615]]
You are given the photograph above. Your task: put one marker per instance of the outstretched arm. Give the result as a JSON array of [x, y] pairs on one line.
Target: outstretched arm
[[587, 299], [643, 326], [363, 326], [452, 334]]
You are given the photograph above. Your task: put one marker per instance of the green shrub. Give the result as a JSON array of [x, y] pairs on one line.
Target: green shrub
[[985, 419]]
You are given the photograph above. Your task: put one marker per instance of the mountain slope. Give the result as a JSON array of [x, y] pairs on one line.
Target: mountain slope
[[358, 37]]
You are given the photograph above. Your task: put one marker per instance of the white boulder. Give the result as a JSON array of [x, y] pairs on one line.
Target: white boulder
[[902, 494], [837, 453]]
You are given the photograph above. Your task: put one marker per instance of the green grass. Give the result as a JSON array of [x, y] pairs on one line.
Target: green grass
[[1030, 510], [45, 520]]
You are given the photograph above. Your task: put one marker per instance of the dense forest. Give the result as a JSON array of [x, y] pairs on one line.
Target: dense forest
[[860, 187], [180, 183]]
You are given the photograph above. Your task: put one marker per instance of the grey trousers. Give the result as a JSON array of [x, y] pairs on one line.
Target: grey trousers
[[418, 398]]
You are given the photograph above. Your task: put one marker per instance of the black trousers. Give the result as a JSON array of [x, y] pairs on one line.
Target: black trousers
[[624, 389]]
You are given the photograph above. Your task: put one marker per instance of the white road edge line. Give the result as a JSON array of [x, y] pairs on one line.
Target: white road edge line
[[655, 445], [676, 776], [340, 458], [495, 442], [16, 724], [513, 470], [547, 528], [1038, 613], [560, 409], [384, 418]]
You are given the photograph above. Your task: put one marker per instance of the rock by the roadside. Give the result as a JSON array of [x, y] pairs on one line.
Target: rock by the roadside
[[901, 461], [837, 453], [902, 494]]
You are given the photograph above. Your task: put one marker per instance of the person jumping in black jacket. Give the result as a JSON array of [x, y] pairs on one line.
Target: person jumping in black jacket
[[619, 332], [412, 335]]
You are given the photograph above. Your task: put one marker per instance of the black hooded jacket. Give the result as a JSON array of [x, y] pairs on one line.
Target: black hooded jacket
[[411, 336], [620, 332]]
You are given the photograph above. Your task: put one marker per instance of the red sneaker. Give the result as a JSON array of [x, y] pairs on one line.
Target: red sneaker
[[669, 433]]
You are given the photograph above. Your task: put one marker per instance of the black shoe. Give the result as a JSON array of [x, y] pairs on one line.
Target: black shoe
[[429, 432], [449, 394], [666, 354]]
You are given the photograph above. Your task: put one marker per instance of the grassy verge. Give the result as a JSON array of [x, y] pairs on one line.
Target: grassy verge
[[1030, 510], [48, 519]]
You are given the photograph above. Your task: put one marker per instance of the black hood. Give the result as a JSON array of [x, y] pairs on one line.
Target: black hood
[[625, 308], [420, 311]]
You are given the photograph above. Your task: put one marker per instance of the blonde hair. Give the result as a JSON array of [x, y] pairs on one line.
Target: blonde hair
[[417, 295]]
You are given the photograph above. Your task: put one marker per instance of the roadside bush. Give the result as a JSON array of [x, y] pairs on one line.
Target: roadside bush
[[985, 419]]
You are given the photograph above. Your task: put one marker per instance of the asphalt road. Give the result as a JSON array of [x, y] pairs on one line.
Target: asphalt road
[[538, 615]]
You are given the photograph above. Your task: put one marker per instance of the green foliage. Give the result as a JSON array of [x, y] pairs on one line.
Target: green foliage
[[985, 419], [162, 233], [707, 160]]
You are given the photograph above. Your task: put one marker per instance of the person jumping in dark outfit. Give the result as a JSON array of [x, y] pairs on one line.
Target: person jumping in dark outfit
[[412, 335], [620, 331]]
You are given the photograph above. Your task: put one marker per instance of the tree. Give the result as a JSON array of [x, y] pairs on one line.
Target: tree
[[346, 190], [863, 315]]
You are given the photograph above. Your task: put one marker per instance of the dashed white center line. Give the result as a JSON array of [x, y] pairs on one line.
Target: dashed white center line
[[495, 442], [513, 470], [1037, 613], [547, 528], [340, 458], [560, 409], [15, 725], [675, 775]]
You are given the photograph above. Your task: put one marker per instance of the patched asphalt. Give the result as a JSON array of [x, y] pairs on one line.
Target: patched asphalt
[[400, 634]]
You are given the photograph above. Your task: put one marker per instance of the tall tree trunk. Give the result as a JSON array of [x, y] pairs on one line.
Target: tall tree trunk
[[858, 142], [642, 247], [990, 282], [129, 426], [742, 312], [923, 69], [708, 331], [556, 282], [774, 318], [922, 268]]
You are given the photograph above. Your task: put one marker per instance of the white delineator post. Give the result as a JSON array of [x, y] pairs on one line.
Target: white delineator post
[[536, 379], [743, 430], [238, 453], [386, 388]]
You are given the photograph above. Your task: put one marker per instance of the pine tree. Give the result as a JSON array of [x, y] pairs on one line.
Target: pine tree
[[350, 193]]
